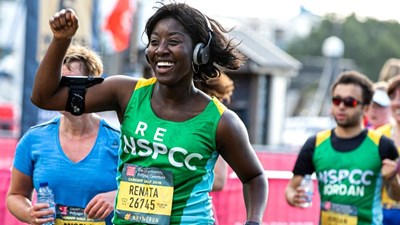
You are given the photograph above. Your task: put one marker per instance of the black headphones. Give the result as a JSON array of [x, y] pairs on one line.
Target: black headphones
[[201, 53]]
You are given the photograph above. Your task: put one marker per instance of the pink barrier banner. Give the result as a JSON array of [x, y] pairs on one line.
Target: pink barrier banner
[[7, 148], [229, 202]]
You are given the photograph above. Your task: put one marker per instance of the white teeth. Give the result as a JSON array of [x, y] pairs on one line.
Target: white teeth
[[165, 64]]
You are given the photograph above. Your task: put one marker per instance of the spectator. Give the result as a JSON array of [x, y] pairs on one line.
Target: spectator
[[389, 69], [379, 111]]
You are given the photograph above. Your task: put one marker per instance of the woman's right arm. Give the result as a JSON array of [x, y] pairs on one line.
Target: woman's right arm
[[112, 94], [46, 92], [19, 198]]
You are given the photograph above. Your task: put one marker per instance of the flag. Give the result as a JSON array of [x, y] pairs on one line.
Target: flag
[[119, 23]]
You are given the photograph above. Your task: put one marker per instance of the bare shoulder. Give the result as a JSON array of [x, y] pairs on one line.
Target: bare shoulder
[[231, 121], [231, 127], [123, 85]]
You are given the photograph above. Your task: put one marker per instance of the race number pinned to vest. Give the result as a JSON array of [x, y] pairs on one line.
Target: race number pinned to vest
[[74, 215], [338, 214], [145, 195]]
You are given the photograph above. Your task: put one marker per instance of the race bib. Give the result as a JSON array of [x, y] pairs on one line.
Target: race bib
[[67, 215], [145, 195], [338, 214]]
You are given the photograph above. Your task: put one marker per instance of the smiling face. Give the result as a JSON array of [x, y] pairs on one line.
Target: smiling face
[[170, 52]]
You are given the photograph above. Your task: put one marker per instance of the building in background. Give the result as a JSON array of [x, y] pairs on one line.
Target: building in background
[[12, 27], [267, 90]]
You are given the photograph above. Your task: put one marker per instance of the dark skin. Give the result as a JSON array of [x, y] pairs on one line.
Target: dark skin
[[169, 43], [174, 97]]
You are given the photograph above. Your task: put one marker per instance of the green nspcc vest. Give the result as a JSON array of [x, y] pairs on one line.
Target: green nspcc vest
[[349, 182], [165, 168]]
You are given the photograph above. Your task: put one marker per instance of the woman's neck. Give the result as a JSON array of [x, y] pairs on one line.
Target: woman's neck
[[83, 125]]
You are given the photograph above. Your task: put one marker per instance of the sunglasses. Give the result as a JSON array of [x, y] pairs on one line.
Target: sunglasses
[[348, 101]]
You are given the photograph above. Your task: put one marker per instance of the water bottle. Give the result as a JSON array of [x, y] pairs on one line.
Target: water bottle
[[308, 187], [45, 195]]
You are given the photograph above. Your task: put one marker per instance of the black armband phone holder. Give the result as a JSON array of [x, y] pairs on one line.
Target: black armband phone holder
[[77, 90]]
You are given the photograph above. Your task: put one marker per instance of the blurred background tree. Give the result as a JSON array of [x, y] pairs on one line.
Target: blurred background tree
[[368, 42]]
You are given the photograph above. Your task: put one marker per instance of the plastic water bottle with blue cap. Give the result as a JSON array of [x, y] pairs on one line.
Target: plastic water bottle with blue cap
[[46, 195]]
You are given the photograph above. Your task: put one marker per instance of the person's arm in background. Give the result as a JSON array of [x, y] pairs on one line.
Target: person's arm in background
[[391, 174], [234, 146], [220, 174], [294, 194], [19, 200], [390, 167]]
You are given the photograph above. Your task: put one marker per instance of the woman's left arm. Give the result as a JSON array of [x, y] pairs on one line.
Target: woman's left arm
[[234, 146], [101, 205]]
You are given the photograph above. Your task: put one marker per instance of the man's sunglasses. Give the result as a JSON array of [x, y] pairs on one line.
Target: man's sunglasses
[[348, 101]]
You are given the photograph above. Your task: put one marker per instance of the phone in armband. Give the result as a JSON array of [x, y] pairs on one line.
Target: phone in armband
[[77, 86]]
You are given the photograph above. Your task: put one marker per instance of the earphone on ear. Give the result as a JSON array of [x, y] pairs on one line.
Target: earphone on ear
[[201, 53]]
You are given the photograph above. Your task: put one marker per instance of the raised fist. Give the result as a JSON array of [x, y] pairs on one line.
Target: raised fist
[[64, 24]]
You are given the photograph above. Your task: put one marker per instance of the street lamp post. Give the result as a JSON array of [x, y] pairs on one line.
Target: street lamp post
[[332, 50]]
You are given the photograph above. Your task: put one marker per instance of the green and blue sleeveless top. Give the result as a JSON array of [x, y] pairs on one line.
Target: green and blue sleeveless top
[[165, 169]]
